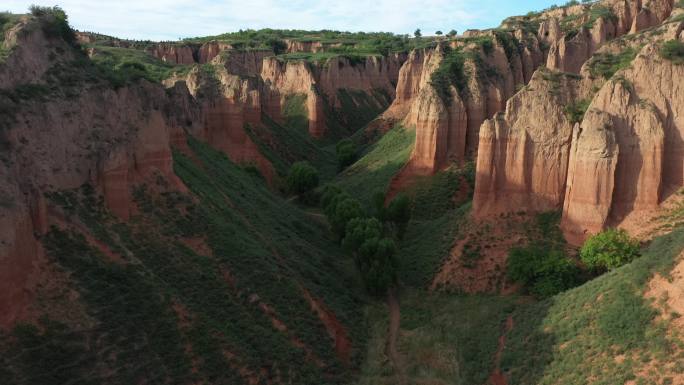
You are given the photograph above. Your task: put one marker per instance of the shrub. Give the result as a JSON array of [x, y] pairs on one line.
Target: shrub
[[55, 22], [605, 65], [341, 211], [346, 153], [302, 178], [358, 231], [399, 212], [378, 265], [277, 45], [575, 111], [451, 72], [609, 250], [673, 50], [544, 272]]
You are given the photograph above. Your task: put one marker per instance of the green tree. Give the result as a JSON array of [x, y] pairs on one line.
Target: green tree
[[609, 250], [417, 33], [543, 271], [344, 209], [378, 200], [302, 178], [358, 231], [55, 22], [346, 153], [439, 33], [378, 265], [452, 33], [399, 212]]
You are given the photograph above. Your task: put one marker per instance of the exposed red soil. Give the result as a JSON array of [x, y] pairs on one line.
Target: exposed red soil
[[486, 273], [498, 378], [198, 245], [404, 179], [281, 327], [335, 329], [393, 334]]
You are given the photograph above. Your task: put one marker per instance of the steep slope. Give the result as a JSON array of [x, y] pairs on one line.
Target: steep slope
[[133, 252], [612, 330], [554, 166]]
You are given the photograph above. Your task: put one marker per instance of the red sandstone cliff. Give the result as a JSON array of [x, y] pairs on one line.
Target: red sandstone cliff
[[627, 154], [616, 166]]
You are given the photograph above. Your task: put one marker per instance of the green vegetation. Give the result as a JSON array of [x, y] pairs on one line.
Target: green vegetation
[[444, 339], [673, 50], [337, 42], [542, 266], [357, 109], [55, 22], [543, 272], [379, 163], [575, 336], [302, 178], [436, 221], [286, 144], [575, 111], [296, 113], [609, 250], [258, 250], [451, 73], [372, 248], [346, 153], [398, 213], [121, 66], [605, 65]]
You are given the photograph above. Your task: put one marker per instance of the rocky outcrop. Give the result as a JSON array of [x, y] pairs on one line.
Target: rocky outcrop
[[320, 83], [309, 46], [628, 153], [568, 51], [495, 72], [412, 77], [523, 154], [31, 54], [174, 53]]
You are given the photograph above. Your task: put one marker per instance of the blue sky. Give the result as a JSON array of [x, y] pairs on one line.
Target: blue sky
[[172, 19]]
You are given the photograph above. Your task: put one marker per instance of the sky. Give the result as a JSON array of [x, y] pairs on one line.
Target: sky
[[174, 19]]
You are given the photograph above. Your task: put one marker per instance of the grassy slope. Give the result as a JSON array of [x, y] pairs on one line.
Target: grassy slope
[[444, 339], [262, 250], [379, 163], [573, 338], [576, 335]]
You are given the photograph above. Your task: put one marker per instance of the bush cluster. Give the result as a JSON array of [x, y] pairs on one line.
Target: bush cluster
[[543, 266], [673, 50], [55, 22], [370, 240], [609, 250], [346, 153], [302, 179], [542, 271]]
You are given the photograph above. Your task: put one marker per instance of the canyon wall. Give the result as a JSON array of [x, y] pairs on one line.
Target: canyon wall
[[628, 153], [624, 157], [447, 126]]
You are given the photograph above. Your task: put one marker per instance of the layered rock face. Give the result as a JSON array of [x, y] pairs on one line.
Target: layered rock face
[[628, 153], [447, 126], [111, 139], [523, 154], [611, 169], [569, 52], [174, 54], [321, 82]]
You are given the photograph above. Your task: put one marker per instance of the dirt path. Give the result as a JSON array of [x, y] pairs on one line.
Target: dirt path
[[394, 323], [498, 378]]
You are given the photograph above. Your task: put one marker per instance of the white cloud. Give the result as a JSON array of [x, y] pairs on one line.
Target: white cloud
[[171, 19]]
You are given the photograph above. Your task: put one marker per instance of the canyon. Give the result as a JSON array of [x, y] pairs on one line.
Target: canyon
[[105, 142]]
